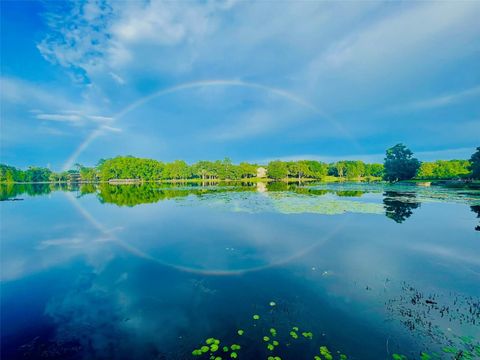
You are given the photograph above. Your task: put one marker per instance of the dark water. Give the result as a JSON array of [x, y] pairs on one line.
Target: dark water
[[150, 272]]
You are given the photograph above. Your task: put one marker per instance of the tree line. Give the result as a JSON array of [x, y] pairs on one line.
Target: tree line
[[399, 164], [133, 168]]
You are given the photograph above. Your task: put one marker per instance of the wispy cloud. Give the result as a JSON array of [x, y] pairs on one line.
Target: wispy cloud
[[111, 128], [440, 101], [20, 92], [117, 78], [77, 118], [60, 117]]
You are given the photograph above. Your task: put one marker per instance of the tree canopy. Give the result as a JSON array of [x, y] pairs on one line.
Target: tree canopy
[[400, 164], [475, 164], [444, 169]]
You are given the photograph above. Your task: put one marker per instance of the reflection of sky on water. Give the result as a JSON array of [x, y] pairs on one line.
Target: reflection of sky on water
[[327, 271]]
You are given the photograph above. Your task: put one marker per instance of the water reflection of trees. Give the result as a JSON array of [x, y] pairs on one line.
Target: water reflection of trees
[[399, 205], [131, 195], [12, 191], [476, 210], [349, 193]]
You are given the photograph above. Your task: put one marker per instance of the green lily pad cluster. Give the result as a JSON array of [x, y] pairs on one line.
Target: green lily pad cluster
[[324, 354], [307, 335], [271, 345], [212, 346], [293, 332], [217, 351]]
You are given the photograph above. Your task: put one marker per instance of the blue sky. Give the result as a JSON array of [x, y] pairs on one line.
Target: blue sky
[[250, 81]]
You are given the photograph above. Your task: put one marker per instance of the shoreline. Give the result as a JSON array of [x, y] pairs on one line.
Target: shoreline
[[327, 179]]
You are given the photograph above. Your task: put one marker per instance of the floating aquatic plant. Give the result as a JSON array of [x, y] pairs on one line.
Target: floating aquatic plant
[[213, 345], [471, 350], [307, 335], [325, 353]]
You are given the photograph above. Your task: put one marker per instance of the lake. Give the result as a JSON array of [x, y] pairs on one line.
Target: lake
[[152, 271]]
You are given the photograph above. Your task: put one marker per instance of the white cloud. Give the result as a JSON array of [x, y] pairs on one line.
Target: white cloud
[[100, 119], [77, 118], [398, 35], [100, 35], [78, 34], [59, 117], [405, 44]]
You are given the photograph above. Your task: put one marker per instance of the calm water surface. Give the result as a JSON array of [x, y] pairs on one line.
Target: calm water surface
[[150, 271]]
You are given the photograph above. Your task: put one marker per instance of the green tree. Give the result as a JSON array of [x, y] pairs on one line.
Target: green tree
[[475, 164], [317, 169], [374, 170], [177, 169], [88, 174], [354, 169], [426, 170], [298, 169], [247, 170], [444, 169], [400, 164], [277, 170], [37, 174]]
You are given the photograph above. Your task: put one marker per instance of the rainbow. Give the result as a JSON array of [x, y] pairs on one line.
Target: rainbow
[[200, 84]]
